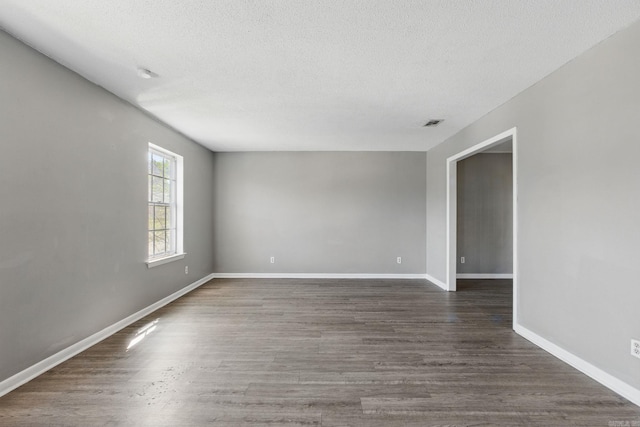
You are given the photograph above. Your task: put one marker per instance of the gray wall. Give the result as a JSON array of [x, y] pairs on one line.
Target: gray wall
[[73, 212], [579, 194], [320, 212], [485, 213]]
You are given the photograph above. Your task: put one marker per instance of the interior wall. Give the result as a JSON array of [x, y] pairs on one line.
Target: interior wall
[[320, 212], [578, 187], [485, 214], [73, 217]]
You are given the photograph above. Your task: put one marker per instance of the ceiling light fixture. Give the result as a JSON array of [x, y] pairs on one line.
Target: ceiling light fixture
[[433, 122], [146, 74]]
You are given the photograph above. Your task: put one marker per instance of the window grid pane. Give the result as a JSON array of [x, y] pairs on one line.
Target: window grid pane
[[160, 216], [150, 218], [159, 242], [167, 191], [167, 168], [162, 231], [157, 166], [157, 190]]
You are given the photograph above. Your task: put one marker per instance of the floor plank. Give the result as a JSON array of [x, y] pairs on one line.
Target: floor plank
[[249, 352]]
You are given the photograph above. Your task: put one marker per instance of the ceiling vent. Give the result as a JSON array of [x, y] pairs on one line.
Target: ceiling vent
[[433, 123], [146, 74]]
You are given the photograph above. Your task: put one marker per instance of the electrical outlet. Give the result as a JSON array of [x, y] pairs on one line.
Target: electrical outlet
[[635, 348], [399, 260], [272, 260], [461, 260], [186, 269]]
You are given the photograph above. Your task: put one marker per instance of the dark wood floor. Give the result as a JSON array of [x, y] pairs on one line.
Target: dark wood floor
[[316, 352]]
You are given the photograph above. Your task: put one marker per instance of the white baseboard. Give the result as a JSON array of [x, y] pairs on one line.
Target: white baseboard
[[484, 276], [315, 276], [43, 366], [623, 389], [436, 282], [11, 383]]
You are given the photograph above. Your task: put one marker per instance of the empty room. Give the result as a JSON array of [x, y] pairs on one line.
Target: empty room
[[320, 213]]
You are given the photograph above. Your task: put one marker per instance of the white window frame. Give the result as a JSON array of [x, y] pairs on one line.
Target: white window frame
[[177, 209]]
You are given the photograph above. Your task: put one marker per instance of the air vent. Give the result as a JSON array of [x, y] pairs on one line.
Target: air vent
[[433, 123], [146, 74]]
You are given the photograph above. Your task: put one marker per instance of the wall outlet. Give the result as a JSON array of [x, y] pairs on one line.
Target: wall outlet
[[186, 269], [272, 260], [635, 348], [399, 260], [461, 260]]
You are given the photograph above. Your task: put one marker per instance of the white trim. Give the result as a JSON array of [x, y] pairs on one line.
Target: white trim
[[623, 389], [156, 262], [426, 218], [496, 140], [43, 366], [452, 214], [514, 249], [452, 209], [452, 162], [178, 215], [315, 276], [179, 204], [484, 276], [437, 282]]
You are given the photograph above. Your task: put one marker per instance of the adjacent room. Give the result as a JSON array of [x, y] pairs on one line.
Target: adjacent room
[[329, 213]]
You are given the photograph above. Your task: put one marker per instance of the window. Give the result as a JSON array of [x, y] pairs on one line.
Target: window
[[165, 206]]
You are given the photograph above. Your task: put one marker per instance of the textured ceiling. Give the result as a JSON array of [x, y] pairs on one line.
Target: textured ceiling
[[316, 75]]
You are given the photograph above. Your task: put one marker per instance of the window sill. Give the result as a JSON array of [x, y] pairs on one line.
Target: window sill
[[159, 261]]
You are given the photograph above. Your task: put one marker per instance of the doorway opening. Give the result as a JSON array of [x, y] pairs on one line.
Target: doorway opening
[[509, 136]]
